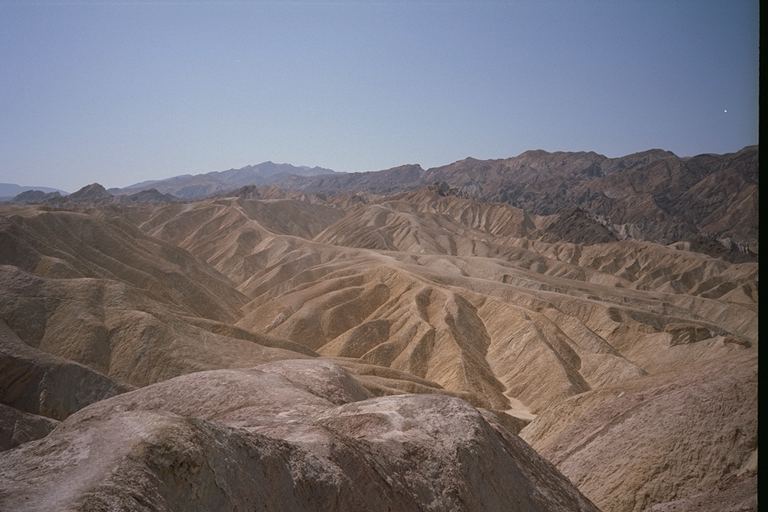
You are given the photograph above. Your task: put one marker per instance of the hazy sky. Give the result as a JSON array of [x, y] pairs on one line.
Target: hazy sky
[[122, 92]]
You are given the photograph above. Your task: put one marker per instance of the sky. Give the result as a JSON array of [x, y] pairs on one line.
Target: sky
[[120, 92]]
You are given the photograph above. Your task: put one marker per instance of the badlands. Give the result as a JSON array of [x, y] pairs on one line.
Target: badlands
[[549, 332]]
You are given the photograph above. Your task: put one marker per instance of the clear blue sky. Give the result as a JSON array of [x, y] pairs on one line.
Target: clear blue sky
[[122, 92]]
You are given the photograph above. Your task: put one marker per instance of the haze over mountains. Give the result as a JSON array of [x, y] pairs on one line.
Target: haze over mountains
[[707, 201], [9, 190], [552, 331], [189, 186]]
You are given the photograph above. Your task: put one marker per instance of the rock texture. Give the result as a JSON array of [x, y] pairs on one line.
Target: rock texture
[[224, 440], [437, 287], [690, 439], [38, 383], [93, 193], [18, 427]]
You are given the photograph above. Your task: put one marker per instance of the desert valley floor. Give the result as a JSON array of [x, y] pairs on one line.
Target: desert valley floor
[[426, 344]]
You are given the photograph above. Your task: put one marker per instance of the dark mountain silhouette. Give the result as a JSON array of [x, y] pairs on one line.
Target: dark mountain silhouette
[[9, 190], [35, 196]]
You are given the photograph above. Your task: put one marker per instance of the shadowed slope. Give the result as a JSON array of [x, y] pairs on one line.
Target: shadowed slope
[[118, 331], [74, 244]]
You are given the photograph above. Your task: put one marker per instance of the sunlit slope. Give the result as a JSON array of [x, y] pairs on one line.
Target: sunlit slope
[[457, 292]]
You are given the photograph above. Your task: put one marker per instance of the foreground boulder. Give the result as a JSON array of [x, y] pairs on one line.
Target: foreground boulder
[[292, 435]]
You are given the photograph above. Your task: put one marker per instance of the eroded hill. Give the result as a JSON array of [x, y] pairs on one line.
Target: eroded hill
[[373, 351]]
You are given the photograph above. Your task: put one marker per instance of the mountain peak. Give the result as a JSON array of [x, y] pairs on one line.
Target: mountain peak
[[92, 192]]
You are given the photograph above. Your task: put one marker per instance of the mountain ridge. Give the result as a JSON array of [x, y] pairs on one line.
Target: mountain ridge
[[192, 186], [652, 195], [9, 190]]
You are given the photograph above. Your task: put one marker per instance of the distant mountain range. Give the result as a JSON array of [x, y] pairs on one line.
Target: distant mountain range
[[708, 201], [93, 194], [191, 186], [9, 190], [654, 195]]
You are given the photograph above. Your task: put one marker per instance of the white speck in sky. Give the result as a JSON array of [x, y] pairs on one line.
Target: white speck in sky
[[725, 111]]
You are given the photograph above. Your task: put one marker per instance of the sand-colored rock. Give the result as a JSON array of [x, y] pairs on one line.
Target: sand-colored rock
[[454, 291], [120, 332], [224, 440], [67, 244], [663, 442]]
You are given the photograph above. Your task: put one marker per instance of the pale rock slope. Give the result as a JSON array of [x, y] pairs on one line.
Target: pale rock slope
[[65, 243], [690, 439], [225, 440]]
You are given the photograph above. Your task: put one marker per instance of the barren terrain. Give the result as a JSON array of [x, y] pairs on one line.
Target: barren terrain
[[383, 342]]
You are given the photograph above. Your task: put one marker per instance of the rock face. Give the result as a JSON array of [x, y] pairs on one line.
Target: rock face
[[692, 437], [223, 440], [18, 427], [388, 181], [65, 244]]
